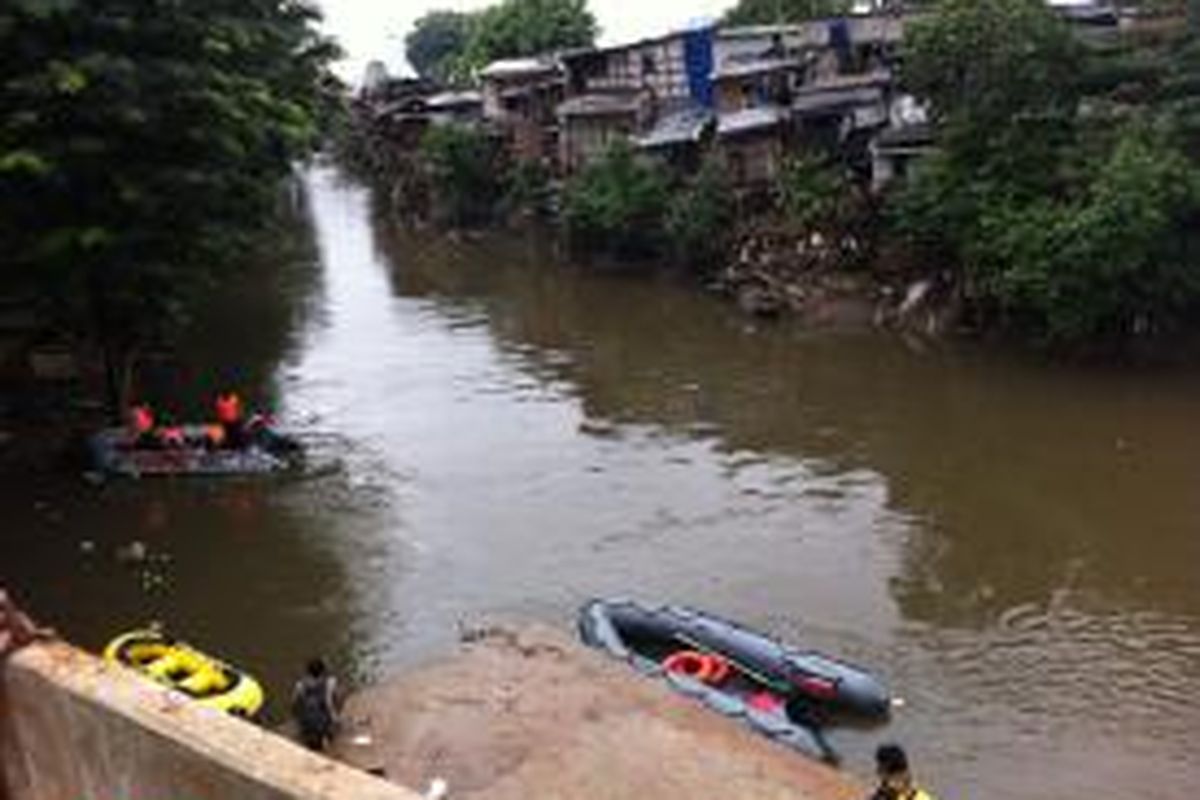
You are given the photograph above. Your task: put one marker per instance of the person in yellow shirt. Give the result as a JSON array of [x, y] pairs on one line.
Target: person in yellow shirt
[[895, 778]]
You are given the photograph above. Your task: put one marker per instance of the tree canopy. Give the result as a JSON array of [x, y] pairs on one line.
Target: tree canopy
[[435, 43], [140, 142], [982, 64], [447, 45], [1071, 223], [766, 12]]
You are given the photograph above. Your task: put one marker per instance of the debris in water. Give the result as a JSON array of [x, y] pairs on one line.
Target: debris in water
[[133, 552], [597, 427]]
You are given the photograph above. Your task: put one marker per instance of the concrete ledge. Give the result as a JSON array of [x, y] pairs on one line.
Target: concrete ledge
[[76, 728], [526, 713]]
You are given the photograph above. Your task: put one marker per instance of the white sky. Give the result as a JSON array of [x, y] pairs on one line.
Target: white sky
[[368, 29]]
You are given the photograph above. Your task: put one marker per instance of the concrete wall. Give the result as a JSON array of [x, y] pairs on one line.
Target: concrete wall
[[75, 728]]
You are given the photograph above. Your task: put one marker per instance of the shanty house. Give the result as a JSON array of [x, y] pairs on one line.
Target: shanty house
[[626, 91], [520, 96]]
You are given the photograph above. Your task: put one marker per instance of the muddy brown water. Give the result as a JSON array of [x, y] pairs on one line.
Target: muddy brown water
[[1014, 545]]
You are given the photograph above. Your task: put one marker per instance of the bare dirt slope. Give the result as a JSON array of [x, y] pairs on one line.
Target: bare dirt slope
[[525, 713]]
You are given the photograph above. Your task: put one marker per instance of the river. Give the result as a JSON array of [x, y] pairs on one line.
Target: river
[[1014, 545]]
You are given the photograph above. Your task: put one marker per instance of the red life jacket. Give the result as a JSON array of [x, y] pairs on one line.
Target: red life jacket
[[143, 419], [229, 409]]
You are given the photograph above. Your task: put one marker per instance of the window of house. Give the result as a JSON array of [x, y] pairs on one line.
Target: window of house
[[648, 65]]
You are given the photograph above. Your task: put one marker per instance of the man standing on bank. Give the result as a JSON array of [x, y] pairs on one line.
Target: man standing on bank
[[314, 705], [895, 779]]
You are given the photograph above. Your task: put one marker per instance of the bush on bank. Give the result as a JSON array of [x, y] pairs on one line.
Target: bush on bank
[[701, 218], [617, 205], [466, 174]]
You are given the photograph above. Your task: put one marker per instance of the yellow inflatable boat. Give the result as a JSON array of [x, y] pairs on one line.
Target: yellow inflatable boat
[[175, 664]]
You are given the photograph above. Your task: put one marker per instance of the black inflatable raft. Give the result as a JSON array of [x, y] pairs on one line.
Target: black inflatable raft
[[113, 452], [783, 693]]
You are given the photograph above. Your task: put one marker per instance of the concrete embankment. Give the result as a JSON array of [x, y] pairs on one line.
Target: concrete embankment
[[75, 728], [524, 713]]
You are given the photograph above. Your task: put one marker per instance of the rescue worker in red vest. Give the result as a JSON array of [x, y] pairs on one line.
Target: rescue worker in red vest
[[141, 424], [895, 779], [229, 415]]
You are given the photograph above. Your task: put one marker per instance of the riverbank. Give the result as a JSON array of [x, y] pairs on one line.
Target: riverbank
[[822, 278], [521, 712]]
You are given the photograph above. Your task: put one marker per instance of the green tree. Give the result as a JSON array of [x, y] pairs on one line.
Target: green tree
[[438, 39], [465, 174], [1109, 264], [700, 219], [1069, 224], [1000, 77], [451, 46], [616, 205], [528, 190], [140, 143], [809, 190], [990, 68], [766, 12]]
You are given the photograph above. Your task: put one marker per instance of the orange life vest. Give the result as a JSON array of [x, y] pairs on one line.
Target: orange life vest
[[216, 435], [229, 409]]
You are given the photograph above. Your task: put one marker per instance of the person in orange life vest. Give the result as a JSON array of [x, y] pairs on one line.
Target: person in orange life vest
[[214, 436], [141, 424], [229, 415]]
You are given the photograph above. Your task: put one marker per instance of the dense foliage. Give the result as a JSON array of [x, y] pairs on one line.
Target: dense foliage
[[701, 218], [528, 190], [140, 143], [809, 190], [616, 205], [465, 174], [436, 42], [766, 12], [452, 46], [1110, 261], [1068, 214]]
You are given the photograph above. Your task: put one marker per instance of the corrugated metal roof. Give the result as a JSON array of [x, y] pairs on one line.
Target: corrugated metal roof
[[586, 52], [452, 99], [907, 136], [835, 100], [758, 66], [597, 105], [682, 127], [879, 77], [750, 119], [513, 67]]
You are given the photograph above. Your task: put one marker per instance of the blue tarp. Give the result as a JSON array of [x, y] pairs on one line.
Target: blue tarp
[[698, 60]]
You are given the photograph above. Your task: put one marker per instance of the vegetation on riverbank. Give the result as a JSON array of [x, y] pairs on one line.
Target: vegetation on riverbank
[[1058, 205], [1066, 209], [141, 149]]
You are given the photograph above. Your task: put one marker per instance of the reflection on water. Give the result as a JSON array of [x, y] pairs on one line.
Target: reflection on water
[[1011, 544]]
